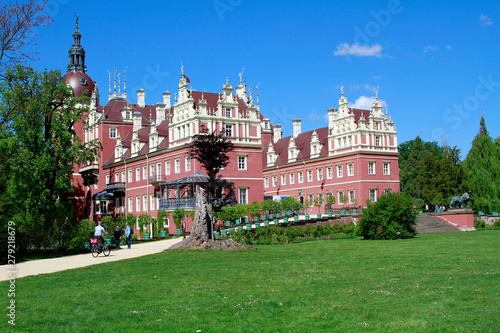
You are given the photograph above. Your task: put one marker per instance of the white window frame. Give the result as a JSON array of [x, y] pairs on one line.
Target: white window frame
[[340, 171], [319, 173], [151, 170], [301, 176], [152, 201], [283, 179], [275, 181], [158, 171], [374, 192], [266, 182], [117, 177], [350, 169], [339, 195], [228, 131], [137, 174], [329, 172], [130, 176], [244, 191], [309, 175], [144, 202], [352, 196], [107, 179], [242, 162], [377, 140], [137, 203], [130, 205], [177, 165], [123, 176], [187, 166], [292, 178], [112, 132], [228, 112], [144, 172], [387, 168], [371, 168], [311, 200], [167, 167]]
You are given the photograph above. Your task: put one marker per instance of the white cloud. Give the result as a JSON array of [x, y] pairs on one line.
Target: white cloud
[[449, 48], [314, 116], [485, 20], [358, 50], [430, 48], [365, 103]]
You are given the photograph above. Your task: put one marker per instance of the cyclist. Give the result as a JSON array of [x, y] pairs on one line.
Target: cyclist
[[99, 231]]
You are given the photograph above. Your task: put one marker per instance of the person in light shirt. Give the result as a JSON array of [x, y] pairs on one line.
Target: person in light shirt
[[99, 231]]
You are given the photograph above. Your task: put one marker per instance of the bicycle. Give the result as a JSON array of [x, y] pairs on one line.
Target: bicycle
[[96, 248]]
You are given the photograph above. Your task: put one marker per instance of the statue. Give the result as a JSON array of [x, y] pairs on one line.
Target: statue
[[463, 199]]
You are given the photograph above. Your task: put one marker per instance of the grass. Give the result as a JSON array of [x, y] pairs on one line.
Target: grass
[[432, 283]]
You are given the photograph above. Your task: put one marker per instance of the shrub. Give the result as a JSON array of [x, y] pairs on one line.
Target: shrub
[[480, 224], [85, 230], [391, 217]]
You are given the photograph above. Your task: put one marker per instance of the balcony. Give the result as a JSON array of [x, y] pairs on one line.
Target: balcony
[[90, 174], [172, 203], [115, 187]]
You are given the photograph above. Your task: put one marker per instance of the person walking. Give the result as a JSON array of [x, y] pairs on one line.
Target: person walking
[[183, 226], [118, 235], [128, 235]]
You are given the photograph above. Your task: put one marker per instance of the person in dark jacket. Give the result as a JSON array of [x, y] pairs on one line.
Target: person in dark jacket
[[118, 235]]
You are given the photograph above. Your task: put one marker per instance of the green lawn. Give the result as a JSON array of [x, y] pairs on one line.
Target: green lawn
[[441, 282]]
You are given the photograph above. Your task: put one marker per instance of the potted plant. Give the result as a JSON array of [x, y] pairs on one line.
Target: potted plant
[[255, 210], [330, 201], [344, 200], [307, 203], [318, 202], [355, 203], [161, 218], [178, 215]]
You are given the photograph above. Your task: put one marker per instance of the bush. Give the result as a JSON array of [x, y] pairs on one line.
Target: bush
[[85, 230], [479, 224], [391, 217]]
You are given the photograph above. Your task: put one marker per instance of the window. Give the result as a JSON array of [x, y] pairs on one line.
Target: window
[[228, 112], [387, 190], [311, 200], [152, 201], [151, 170], [144, 172], [320, 173], [351, 196], [387, 169], [377, 141], [107, 179], [158, 171], [266, 182], [117, 177], [229, 130], [301, 176], [371, 168], [309, 175], [292, 178], [283, 179], [188, 163], [128, 115], [137, 203], [123, 176], [129, 175], [275, 181], [144, 202], [340, 194], [112, 133], [243, 195], [137, 174], [103, 207], [177, 165], [130, 204], [340, 171], [350, 169], [373, 195], [242, 162], [167, 167], [329, 172]]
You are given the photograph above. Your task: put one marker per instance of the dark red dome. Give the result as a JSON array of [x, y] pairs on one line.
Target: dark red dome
[[80, 82]]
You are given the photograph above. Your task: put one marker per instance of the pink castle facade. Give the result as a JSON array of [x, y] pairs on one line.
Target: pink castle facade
[[144, 166]]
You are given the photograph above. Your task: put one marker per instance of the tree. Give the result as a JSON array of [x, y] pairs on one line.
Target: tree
[[211, 150], [18, 25], [482, 167], [38, 150], [391, 217]]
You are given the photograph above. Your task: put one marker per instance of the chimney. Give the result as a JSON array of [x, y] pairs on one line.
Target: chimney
[[166, 99], [141, 100], [296, 127], [160, 113], [277, 132], [332, 113]]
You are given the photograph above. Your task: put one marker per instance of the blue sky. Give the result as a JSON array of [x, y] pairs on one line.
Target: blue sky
[[435, 63]]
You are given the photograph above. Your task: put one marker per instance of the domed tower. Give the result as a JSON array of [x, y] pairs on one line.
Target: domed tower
[[77, 76]]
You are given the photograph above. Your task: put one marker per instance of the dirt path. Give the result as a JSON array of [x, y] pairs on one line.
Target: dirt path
[[44, 266]]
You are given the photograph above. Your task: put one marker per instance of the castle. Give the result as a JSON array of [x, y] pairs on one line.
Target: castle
[[145, 167]]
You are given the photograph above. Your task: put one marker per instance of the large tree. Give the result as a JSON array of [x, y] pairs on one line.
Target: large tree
[[38, 151], [482, 166], [211, 150], [18, 26]]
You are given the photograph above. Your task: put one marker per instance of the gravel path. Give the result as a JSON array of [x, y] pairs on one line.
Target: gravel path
[[44, 266]]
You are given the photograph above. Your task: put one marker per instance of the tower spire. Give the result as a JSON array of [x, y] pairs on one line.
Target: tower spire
[[76, 52]]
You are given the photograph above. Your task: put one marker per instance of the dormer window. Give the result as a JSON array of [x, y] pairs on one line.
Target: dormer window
[[228, 112]]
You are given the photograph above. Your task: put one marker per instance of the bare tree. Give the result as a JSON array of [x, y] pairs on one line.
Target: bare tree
[[18, 25]]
